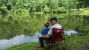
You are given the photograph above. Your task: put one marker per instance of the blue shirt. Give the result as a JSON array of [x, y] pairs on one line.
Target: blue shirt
[[45, 31]]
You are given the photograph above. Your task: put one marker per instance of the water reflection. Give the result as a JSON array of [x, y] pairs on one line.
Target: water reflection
[[11, 26]]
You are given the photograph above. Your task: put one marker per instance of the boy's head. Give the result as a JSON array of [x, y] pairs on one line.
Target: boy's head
[[53, 20], [46, 24]]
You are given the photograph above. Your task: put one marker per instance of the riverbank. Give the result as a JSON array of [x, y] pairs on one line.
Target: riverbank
[[75, 42]]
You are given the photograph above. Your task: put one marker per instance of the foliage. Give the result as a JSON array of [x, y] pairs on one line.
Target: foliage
[[41, 5], [20, 18]]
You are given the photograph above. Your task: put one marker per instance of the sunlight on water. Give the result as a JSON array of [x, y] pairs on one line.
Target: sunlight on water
[[17, 40], [70, 32]]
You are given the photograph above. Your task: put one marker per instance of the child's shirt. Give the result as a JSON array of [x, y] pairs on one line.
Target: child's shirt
[[45, 31]]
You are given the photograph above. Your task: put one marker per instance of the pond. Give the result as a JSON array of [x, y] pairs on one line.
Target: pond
[[11, 26]]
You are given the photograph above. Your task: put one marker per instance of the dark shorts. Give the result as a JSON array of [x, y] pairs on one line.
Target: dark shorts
[[48, 40]]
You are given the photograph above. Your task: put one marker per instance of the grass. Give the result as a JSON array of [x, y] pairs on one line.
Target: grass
[[26, 46], [75, 42]]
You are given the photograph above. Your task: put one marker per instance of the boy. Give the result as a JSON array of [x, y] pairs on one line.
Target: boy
[[43, 32]]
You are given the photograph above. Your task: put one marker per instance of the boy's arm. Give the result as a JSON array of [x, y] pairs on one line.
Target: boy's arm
[[40, 34]]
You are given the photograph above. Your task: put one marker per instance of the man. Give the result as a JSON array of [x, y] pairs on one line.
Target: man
[[55, 32], [43, 32]]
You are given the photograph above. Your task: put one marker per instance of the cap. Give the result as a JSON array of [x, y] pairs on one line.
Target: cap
[[54, 18]]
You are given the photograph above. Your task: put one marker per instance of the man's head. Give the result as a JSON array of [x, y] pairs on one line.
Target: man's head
[[46, 25], [53, 20]]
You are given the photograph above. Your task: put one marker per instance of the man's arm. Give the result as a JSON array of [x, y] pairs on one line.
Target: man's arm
[[45, 36]]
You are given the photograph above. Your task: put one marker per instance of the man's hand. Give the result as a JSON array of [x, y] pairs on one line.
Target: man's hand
[[45, 36]]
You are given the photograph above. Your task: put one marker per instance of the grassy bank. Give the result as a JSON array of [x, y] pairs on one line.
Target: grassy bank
[[76, 42]]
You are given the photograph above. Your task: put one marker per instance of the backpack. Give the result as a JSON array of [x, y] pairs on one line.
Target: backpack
[[57, 35]]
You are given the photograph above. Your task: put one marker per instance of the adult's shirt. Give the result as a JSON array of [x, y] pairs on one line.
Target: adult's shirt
[[57, 26], [56, 32]]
